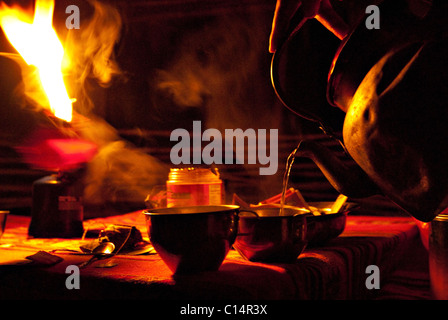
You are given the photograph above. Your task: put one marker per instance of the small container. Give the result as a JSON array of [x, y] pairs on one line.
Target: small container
[[57, 210], [193, 187]]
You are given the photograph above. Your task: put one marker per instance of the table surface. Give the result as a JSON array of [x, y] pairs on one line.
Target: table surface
[[336, 270]]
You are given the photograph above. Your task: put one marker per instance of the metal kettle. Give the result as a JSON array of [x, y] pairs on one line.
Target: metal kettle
[[392, 84]]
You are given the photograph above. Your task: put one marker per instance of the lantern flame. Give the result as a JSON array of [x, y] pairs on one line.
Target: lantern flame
[[36, 41]]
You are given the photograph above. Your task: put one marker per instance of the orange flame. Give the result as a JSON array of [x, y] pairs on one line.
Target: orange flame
[[38, 44]]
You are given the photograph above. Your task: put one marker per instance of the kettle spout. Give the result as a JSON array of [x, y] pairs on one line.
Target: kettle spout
[[342, 173]]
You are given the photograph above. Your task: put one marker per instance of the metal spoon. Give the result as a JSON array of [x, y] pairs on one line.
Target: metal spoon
[[103, 251]]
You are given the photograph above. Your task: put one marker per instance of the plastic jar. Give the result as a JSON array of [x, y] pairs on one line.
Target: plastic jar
[[192, 187]]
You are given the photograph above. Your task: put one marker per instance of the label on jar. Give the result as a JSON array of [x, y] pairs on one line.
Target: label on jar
[[194, 194]]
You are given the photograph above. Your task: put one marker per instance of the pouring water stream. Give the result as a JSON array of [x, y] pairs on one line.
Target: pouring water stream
[[335, 208], [289, 163]]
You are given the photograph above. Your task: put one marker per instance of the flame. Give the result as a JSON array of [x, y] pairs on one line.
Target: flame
[[36, 41]]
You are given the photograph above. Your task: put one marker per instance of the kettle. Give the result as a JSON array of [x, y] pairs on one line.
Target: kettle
[[392, 86]]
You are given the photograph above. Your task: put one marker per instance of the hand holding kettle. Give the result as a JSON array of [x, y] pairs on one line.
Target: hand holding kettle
[[304, 9], [391, 84], [322, 10]]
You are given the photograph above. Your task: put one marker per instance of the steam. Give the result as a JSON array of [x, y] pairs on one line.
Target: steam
[[218, 69], [119, 171], [90, 52]]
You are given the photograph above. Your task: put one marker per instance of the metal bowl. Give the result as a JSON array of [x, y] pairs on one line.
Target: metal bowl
[[265, 236], [328, 225], [193, 239]]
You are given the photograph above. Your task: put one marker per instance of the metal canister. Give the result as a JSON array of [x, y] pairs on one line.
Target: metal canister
[[438, 256], [193, 186], [57, 210]]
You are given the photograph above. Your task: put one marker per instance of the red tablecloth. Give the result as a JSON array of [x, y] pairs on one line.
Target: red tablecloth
[[336, 270]]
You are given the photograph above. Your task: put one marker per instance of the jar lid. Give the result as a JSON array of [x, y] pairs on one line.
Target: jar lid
[[191, 174]]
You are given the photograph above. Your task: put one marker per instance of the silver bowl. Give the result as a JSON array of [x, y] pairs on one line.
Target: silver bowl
[[265, 236], [193, 239], [329, 225]]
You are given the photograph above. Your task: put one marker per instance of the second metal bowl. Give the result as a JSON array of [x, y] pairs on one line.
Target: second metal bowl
[[265, 236]]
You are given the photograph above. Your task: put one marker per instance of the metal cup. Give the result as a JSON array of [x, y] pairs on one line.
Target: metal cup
[[266, 236]]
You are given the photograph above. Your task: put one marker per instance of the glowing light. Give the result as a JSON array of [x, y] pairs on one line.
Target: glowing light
[[38, 44]]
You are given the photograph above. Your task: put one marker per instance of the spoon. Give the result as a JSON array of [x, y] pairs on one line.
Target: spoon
[[102, 251]]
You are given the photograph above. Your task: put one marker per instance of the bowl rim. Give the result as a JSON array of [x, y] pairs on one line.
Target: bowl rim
[[299, 210], [265, 212], [191, 210]]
